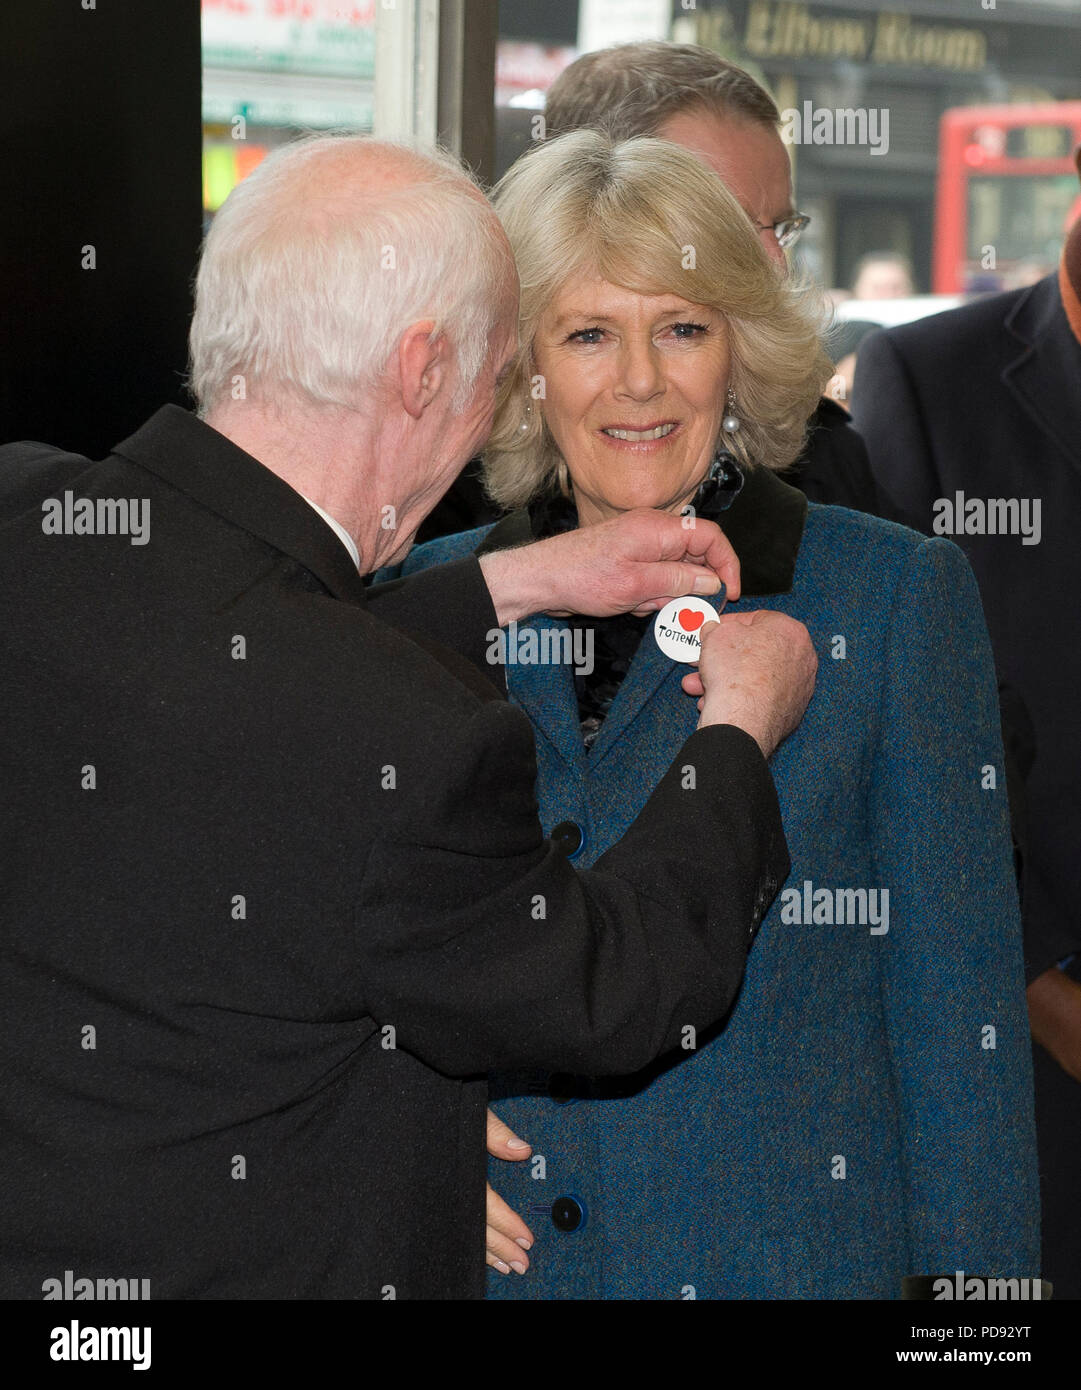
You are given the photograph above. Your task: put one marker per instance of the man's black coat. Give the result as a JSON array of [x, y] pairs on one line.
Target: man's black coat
[[274, 881], [833, 468], [986, 401]]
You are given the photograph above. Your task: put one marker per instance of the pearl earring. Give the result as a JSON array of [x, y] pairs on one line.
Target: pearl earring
[[730, 423], [523, 428]]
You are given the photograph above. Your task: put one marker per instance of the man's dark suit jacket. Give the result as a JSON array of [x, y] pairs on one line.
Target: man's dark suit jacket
[[832, 469], [986, 401], [274, 881]]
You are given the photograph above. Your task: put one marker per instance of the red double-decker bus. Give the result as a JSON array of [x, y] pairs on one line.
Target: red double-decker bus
[[1007, 193]]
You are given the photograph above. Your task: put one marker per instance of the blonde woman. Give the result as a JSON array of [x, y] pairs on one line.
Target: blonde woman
[[865, 1112]]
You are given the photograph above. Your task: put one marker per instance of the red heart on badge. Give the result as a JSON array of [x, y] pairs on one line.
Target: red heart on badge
[[689, 620]]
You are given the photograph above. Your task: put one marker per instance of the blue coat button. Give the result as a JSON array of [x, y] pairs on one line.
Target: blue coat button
[[568, 1214], [568, 837]]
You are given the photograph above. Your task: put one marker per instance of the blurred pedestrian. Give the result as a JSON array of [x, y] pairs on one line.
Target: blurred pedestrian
[[883, 275]]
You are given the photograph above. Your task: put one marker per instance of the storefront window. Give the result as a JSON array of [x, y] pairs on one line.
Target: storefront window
[[275, 68], [864, 88]]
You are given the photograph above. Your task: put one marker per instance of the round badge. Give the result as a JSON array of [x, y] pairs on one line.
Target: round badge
[[679, 623]]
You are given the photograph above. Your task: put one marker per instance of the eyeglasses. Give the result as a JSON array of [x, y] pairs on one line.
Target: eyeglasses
[[788, 230]]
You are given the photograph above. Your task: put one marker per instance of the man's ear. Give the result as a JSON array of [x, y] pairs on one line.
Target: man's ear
[[424, 364]]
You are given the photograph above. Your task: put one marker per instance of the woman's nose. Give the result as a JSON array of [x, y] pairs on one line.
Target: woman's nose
[[641, 373]]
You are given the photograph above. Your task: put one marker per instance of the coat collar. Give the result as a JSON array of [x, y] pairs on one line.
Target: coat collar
[[649, 670], [1043, 376], [765, 526], [202, 463]]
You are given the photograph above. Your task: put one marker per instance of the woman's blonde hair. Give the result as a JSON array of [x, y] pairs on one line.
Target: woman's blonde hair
[[646, 215]]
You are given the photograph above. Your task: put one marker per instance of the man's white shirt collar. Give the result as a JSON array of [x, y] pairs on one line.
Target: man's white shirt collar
[[342, 534]]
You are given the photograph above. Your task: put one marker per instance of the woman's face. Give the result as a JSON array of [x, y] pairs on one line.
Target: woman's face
[[634, 394]]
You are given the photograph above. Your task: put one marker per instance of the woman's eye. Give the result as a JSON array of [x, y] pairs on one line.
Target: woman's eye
[[688, 330], [586, 335]]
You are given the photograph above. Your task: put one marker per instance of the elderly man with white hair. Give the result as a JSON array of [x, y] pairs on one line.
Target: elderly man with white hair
[[277, 895]]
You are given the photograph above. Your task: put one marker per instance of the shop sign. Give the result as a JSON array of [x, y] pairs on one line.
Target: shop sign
[[330, 37], [791, 30]]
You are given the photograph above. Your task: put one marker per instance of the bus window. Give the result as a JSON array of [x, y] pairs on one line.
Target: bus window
[[1007, 193]]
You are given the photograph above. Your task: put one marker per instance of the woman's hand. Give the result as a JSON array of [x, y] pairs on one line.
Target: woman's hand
[[507, 1237], [1054, 1011]]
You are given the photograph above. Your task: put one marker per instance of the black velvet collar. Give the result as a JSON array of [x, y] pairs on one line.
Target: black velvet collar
[[202, 463], [763, 518]]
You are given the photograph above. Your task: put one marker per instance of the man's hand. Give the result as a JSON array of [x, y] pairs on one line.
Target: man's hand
[[635, 563], [757, 671], [1054, 1012], [507, 1237]]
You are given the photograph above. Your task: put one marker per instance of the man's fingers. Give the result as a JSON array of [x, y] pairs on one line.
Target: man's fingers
[[705, 544], [506, 1236], [677, 578], [758, 670], [502, 1140]]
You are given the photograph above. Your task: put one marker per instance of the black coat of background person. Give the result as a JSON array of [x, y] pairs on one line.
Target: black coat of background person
[[221, 1038], [101, 134], [833, 469], [986, 400]]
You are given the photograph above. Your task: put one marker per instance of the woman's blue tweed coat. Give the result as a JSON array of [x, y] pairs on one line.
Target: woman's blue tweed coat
[[866, 1112]]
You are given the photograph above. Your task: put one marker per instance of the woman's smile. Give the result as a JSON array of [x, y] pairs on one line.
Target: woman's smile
[[641, 438]]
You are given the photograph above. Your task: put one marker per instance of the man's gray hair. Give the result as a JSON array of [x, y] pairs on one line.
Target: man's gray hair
[[305, 286], [631, 89]]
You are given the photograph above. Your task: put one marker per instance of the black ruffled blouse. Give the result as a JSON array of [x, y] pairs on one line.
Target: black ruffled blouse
[[616, 639]]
